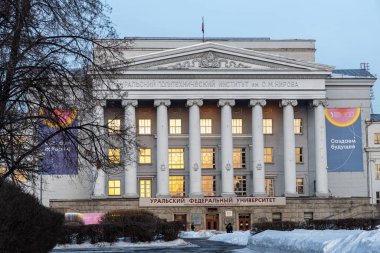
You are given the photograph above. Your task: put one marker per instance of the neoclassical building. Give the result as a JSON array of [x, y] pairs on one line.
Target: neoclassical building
[[230, 130]]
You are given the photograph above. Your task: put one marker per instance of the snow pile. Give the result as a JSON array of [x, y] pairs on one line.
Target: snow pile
[[121, 244], [316, 241], [198, 234], [238, 237]]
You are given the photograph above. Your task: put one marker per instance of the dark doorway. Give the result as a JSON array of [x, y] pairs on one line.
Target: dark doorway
[[244, 221], [212, 221], [182, 218]]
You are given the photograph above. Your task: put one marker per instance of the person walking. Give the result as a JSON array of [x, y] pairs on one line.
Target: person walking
[[229, 228]]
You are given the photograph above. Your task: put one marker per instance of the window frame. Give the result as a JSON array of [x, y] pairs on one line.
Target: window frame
[[112, 158], [279, 214], [237, 128], [377, 138], [266, 155], [296, 126], [111, 124], [243, 191], [204, 127], [377, 197], [177, 129], [213, 158], [377, 172], [272, 187], [145, 156], [300, 187], [213, 180], [299, 155], [147, 127], [114, 187], [268, 126], [181, 194], [242, 156], [145, 187], [171, 152]]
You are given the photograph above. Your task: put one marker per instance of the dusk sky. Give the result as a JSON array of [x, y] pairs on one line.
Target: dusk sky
[[347, 32]]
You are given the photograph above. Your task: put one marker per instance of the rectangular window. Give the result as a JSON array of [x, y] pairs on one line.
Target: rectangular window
[[377, 171], [298, 126], [206, 126], [377, 197], [114, 126], [208, 186], [308, 216], [377, 138], [276, 217], [145, 126], [269, 190], [176, 158], [177, 186], [239, 158], [208, 158], [145, 188], [175, 126], [268, 155], [267, 126], [299, 155], [240, 184], [114, 155], [300, 186], [237, 126], [145, 156], [114, 187]]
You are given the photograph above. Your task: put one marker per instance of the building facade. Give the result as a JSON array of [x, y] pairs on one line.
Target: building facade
[[229, 130]]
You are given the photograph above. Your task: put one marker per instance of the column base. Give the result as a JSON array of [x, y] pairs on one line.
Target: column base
[[260, 194], [160, 195], [102, 196], [292, 195], [196, 195], [131, 196], [322, 195], [228, 194]]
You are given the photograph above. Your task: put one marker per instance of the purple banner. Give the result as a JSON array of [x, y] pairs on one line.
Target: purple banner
[[60, 153]]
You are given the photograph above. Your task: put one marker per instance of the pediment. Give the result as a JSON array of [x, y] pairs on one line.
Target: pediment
[[212, 56]]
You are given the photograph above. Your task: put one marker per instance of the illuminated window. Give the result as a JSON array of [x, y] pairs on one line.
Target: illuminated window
[[237, 126], [269, 189], [298, 126], [239, 158], [145, 126], [114, 155], [208, 186], [114, 187], [177, 186], [206, 126], [145, 156], [175, 126], [267, 126], [300, 186], [377, 138], [114, 126], [377, 171], [208, 158], [2, 170], [240, 184], [268, 155], [145, 188], [176, 158], [299, 155]]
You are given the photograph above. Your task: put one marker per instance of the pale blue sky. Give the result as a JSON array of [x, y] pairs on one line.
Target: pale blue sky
[[347, 32]]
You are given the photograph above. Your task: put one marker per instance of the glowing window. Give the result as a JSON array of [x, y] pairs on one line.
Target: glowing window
[[267, 126], [298, 126], [175, 126], [208, 158], [114, 187], [300, 186], [114, 126], [239, 158], [206, 126], [377, 138], [177, 186], [176, 158], [114, 155], [145, 188], [268, 155], [145, 126], [378, 171], [299, 155], [269, 189], [208, 186], [237, 126], [145, 156], [240, 183]]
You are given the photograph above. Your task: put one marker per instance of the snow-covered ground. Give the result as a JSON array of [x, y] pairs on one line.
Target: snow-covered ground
[[199, 234], [238, 237]]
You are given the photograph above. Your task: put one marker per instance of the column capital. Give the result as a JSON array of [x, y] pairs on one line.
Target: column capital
[[261, 102], [129, 102], [191, 102], [317, 102], [223, 102], [286, 102], [101, 102], [158, 102]]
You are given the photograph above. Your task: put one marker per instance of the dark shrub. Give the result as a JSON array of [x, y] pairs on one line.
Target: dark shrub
[[170, 230], [26, 225]]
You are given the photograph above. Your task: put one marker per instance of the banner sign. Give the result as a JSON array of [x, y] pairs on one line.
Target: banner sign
[[213, 201], [60, 154], [344, 140]]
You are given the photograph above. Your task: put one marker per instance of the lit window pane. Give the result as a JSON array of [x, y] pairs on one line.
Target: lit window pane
[[298, 126], [206, 126], [176, 158], [267, 126], [114, 188], [237, 126], [114, 126], [377, 171], [208, 158], [268, 155], [299, 155], [145, 188], [175, 126], [300, 186], [239, 158], [145, 156], [377, 138], [144, 126], [208, 186], [114, 155], [240, 184], [177, 186]]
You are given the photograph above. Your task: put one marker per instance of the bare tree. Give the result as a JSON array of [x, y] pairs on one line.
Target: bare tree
[[47, 73]]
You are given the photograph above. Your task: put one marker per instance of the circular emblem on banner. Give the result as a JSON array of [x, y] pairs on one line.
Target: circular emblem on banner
[[342, 117], [58, 117]]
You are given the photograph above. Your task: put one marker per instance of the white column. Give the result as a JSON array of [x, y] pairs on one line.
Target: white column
[[162, 148], [130, 160], [227, 147], [100, 175], [289, 148], [258, 147], [320, 148], [195, 165]]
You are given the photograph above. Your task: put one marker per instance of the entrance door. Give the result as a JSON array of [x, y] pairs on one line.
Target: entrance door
[[182, 218], [244, 221], [212, 221]]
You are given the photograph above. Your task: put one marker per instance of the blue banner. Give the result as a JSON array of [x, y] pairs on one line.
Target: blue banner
[[344, 140]]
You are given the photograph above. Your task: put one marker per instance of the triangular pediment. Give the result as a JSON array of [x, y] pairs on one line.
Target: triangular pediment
[[212, 56]]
